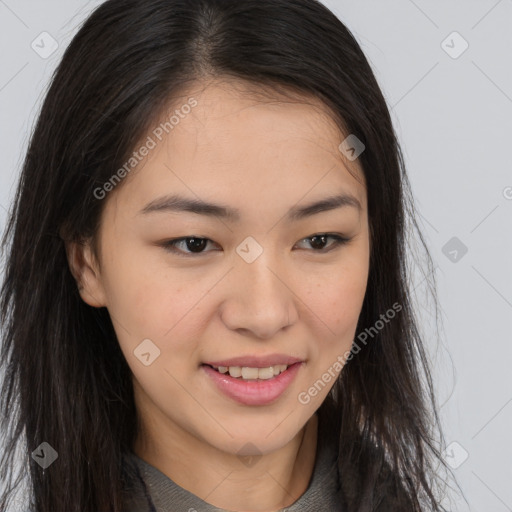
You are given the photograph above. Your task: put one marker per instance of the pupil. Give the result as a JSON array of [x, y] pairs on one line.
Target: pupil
[[315, 244], [196, 244]]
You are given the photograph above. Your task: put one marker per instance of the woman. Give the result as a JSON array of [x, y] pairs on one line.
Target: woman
[[205, 297]]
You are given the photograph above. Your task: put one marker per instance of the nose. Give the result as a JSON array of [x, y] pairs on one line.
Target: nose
[[259, 300]]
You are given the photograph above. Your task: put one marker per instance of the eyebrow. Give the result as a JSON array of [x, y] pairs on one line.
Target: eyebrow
[[176, 203]]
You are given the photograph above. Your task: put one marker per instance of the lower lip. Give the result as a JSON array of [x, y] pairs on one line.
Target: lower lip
[[253, 392]]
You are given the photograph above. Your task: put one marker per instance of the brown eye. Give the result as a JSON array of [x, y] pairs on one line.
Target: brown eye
[[319, 241], [189, 245], [194, 245]]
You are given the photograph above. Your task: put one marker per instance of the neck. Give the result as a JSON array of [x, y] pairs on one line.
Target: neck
[[273, 482]]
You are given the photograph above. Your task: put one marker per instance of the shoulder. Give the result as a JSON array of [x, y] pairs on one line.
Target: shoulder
[[380, 490], [366, 479], [134, 491]]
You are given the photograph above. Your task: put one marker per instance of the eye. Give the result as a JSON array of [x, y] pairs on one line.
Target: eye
[[196, 245], [192, 243], [318, 241]]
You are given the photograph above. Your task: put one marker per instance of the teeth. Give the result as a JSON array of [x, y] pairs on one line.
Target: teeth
[[235, 371], [265, 373], [248, 373]]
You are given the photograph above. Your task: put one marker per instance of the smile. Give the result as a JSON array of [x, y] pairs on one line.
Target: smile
[[252, 385], [248, 373]]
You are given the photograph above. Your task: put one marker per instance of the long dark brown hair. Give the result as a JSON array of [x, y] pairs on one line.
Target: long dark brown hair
[[66, 381]]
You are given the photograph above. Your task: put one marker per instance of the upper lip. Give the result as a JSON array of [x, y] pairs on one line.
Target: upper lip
[[256, 361]]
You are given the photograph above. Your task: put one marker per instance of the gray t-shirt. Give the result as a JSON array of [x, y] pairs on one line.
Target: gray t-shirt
[[155, 492]]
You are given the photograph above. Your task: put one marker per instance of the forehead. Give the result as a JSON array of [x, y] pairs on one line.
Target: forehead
[[242, 142], [239, 109]]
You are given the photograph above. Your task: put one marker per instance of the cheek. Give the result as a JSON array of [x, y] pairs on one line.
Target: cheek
[[337, 298], [346, 307], [147, 302], [337, 306]]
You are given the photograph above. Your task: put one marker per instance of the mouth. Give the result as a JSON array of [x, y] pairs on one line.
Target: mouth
[[252, 385]]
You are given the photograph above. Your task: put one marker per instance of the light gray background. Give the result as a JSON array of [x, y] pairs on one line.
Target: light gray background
[[454, 120]]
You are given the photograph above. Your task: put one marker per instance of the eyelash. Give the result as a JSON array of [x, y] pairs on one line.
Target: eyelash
[[170, 245]]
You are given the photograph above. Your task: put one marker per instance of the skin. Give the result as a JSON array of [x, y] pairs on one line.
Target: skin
[[262, 157]]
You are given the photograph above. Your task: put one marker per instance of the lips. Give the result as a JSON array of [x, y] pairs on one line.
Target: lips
[[253, 392]]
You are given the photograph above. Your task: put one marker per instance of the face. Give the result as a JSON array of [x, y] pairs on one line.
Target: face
[[257, 281]]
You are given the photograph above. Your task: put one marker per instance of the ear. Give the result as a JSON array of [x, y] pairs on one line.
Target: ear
[[85, 270]]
